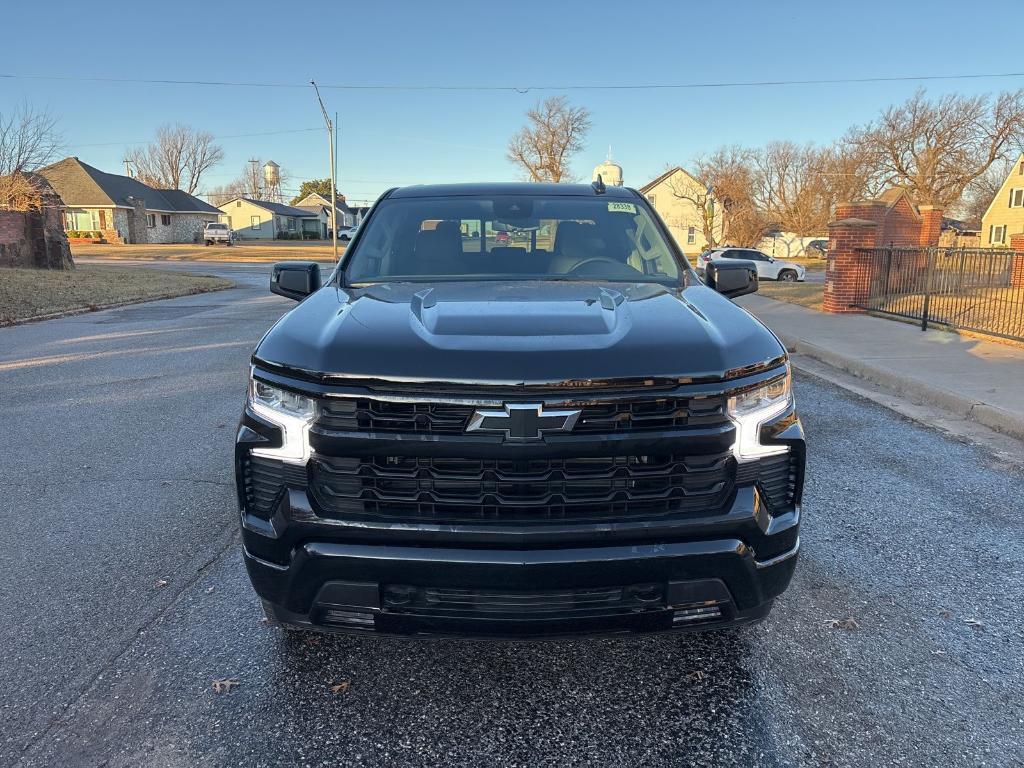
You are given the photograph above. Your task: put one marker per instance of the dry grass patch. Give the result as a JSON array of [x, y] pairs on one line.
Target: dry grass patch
[[810, 295], [274, 250], [31, 293]]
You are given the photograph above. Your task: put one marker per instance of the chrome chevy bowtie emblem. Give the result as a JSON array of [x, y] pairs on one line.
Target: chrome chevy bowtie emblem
[[523, 421]]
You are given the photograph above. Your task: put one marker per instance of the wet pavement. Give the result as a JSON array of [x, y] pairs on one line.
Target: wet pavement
[[125, 596]]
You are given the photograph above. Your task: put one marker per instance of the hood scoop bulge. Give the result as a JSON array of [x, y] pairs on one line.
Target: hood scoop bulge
[[595, 314]]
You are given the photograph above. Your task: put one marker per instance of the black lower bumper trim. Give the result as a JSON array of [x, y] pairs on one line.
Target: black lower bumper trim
[[416, 591]]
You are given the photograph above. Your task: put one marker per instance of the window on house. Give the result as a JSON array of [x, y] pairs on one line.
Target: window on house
[[165, 219], [691, 235], [254, 222], [238, 204], [1017, 198], [1021, 171], [150, 220], [997, 234], [291, 225], [650, 199]]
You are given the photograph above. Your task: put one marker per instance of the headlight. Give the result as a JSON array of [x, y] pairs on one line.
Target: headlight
[[291, 412], [753, 408]]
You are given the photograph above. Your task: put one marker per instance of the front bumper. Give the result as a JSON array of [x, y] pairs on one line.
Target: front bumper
[[514, 577], [414, 591]]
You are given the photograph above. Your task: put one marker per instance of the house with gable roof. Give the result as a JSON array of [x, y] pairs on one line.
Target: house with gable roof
[[123, 209]]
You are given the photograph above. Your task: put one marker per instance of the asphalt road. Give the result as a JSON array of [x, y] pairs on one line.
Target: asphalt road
[[117, 478]]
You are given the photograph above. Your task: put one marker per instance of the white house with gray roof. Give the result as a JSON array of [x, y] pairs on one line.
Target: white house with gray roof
[[123, 209], [264, 220]]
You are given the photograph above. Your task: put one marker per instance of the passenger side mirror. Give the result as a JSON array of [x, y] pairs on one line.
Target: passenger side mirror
[[731, 278], [295, 279]]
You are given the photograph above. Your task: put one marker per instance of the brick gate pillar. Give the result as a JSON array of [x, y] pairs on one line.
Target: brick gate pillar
[[931, 225], [848, 272], [1017, 269]]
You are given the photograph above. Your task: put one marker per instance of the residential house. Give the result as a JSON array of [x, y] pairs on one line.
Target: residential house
[[123, 209], [346, 216], [264, 220], [684, 219], [1005, 214]]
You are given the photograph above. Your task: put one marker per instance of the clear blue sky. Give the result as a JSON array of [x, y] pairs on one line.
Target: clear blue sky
[[390, 138]]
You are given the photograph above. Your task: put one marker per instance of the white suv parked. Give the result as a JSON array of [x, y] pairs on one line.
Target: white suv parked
[[768, 268]]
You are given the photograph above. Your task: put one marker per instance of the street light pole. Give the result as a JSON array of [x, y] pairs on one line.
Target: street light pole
[[334, 180]]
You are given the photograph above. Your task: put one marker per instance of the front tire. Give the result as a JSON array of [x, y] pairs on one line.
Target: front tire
[[787, 276]]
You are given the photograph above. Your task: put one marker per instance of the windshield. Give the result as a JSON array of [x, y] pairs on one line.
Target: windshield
[[216, 226], [513, 237]]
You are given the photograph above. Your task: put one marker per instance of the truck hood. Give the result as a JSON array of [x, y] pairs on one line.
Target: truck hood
[[526, 332]]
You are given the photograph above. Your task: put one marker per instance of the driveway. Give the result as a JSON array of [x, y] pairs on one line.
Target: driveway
[[125, 595]]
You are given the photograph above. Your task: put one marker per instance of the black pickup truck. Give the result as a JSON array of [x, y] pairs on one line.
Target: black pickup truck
[[514, 410]]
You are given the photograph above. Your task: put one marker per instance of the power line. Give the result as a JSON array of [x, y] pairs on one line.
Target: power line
[[218, 138], [528, 88]]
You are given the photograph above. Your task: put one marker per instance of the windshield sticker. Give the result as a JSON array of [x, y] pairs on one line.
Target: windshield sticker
[[621, 208]]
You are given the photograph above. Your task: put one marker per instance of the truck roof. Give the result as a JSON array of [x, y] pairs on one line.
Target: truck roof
[[490, 189]]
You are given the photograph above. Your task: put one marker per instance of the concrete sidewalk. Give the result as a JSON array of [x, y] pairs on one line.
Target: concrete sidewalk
[[974, 379]]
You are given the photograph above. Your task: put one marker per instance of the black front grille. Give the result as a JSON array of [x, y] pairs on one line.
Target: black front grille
[[265, 480], [530, 490], [371, 415]]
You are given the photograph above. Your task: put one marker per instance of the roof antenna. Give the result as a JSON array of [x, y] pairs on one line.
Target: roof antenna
[[598, 185]]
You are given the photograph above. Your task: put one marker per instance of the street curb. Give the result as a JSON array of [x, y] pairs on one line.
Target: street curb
[[918, 392]]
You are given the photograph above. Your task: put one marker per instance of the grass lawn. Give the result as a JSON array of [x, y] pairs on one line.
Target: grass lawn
[[29, 293], [808, 295], [271, 250]]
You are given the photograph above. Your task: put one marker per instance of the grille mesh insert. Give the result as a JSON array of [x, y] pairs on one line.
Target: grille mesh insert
[[534, 490]]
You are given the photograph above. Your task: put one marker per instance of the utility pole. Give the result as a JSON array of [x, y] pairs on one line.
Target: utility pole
[[255, 188], [334, 180]]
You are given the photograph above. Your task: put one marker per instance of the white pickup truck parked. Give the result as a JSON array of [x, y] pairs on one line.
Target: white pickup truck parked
[[218, 233]]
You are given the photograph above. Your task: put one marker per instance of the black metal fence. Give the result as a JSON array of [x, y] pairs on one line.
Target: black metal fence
[[967, 288]]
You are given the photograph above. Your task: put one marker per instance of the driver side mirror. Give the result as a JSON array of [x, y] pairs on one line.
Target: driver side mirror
[[732, 278], [295, 279]]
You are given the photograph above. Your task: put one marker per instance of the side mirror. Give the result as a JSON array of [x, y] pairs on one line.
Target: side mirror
[[732, 278], [295, 279]]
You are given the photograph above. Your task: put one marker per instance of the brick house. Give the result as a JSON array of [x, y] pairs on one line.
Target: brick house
[[123, 209]]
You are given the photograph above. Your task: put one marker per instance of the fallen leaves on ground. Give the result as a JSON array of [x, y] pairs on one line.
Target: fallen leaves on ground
[[849, 624], [975, 624], [224, 684], [696, 676], [162, 582], [341, 687], [944, 613]]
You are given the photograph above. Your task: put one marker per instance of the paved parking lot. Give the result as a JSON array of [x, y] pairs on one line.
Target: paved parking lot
[[125, 596]]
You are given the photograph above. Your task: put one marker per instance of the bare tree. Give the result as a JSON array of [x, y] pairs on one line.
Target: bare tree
[[225, 193], [981, 192], [699, 195], [554, 133], [177, 159], [789, 186], [937, 149], [28, 140]]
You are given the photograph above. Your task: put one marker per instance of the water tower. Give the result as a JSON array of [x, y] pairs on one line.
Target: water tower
[[272, 182], [610, 172]]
